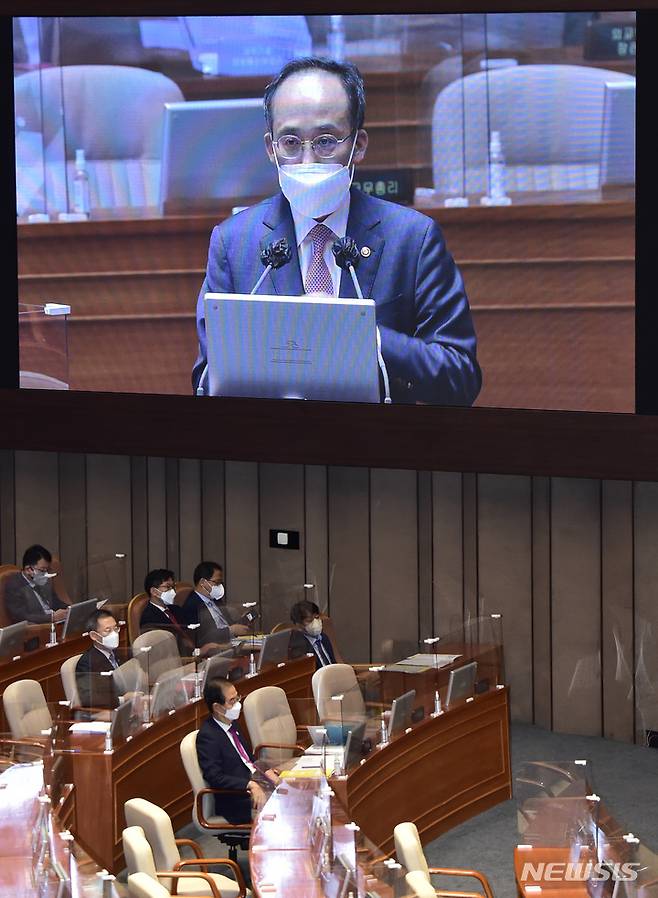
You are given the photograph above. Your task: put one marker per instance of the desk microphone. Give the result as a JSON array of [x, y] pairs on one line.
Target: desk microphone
[[275, 255], [346, 254]]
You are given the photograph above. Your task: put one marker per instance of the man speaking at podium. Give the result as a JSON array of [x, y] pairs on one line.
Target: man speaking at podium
[[314, 113]]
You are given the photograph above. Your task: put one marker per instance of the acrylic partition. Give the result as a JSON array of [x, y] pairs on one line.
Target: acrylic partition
[[43, 346]]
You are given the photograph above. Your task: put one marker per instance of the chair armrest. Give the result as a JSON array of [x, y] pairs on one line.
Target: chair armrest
[[238, 827], [217, 862], [196, 848], [172, 874], [481, 878], [277, 745]]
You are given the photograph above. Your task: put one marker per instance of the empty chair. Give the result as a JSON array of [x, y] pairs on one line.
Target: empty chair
[[26, 709], [410, 854], [159, 833], [272, 728], [337, 679], [418, 884], [113, 113], [234, 835], [549, 118], [139, 862], [162, 654], [69, 680]]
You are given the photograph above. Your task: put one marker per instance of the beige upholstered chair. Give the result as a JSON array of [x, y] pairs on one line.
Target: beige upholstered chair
[[159, 833], [69, 681], [418, 885], [26, 709], [272, 728], [234, 835], [139, 861], [410, 854], [140, 885], [337, 679], [162, 655]]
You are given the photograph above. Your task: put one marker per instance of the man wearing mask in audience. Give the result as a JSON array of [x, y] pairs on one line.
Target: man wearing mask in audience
[[205, 606], [161, 611], [29, 594], [314, 114], [308, 635], [225, 761], [93, 672]]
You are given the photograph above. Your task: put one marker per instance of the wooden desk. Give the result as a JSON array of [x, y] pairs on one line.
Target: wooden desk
[[551, 289]]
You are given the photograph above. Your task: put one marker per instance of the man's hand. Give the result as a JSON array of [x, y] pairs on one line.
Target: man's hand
[[60, 614], [239, 630], [273, 776], [258, 796]]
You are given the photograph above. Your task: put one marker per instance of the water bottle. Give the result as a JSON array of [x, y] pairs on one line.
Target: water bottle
[[252, 664], [336, 39], [81, 201], [497, 173]]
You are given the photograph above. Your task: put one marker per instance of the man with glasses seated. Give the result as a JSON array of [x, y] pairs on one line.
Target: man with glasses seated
[[314, 114], [29, 593], [96, 685], [225, 761]]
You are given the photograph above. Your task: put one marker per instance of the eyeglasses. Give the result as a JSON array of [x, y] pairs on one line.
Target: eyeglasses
[[325, 146], [232, 701]]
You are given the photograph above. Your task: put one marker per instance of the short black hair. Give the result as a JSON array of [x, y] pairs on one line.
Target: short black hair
[[156, 578], [34, 554], [205, 570], [346, 71], [302, 609], [98, 615], [213, 692]]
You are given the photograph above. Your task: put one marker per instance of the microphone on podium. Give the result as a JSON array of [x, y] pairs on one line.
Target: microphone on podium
[[275, 255], [346, 253]]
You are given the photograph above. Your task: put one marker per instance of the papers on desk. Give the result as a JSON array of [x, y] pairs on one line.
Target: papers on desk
[[421, 661], [312, 759], [97, 727]]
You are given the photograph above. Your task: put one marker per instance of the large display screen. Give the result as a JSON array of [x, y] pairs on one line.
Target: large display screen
[[452, 222]]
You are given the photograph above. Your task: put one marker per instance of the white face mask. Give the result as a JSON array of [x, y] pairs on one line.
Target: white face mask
[[40, 578], [168, 596], [314, 628], [316, 189], [233, 712], [111, 641], [217, 591]]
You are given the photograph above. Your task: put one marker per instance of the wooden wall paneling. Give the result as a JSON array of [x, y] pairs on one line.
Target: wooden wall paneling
[[316, 534], [542, 656], [617, 609], [140, 522], [213, 541], [425, 555], [470, 543], [447, 550], [37, 501], [349, 559], [109, 525], [156, 512], [576, 605], [282, 571], [7, 508], [190, 516], [505, 576], [646, 608], [73, 523], [172, 500], [242, 560], [393, 563]]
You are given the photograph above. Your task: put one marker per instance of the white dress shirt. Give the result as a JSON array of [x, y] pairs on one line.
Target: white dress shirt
[[337, 222], [215, 612]]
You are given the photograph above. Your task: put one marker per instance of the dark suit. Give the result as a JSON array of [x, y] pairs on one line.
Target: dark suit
[[300, 645], [22, 603], [195, 611], [155, 618], [95, 691], [223, 768], [428, 342]]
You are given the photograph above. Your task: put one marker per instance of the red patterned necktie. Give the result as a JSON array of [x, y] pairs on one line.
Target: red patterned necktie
[[318, 278]]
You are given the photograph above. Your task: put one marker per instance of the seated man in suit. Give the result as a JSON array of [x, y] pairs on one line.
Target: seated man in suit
[[203, 606], [96, 685], [29, 594], [308, 636], [225, 761], [161, 611]]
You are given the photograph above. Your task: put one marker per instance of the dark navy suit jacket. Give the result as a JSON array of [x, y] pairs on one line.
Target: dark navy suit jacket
[[428, 341], [222, 769]]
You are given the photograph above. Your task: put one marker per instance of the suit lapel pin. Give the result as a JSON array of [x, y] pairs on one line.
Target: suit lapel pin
[[365, 251]]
